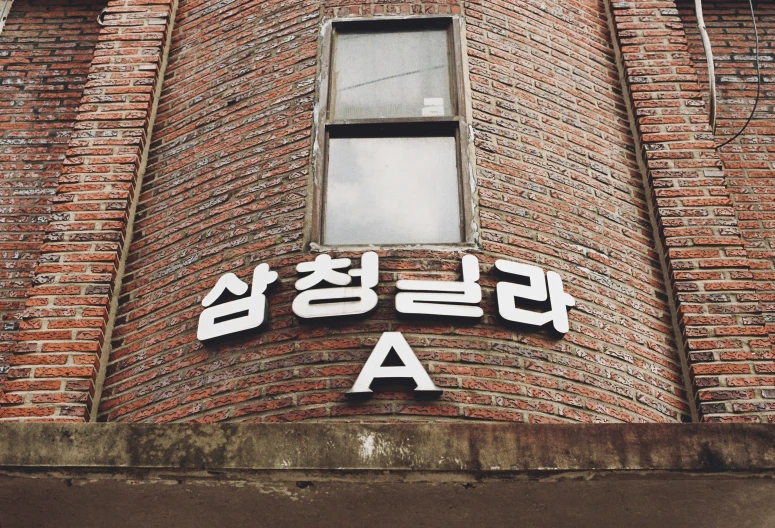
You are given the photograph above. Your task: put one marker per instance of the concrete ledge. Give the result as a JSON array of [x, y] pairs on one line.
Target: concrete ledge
[[338, 474], [434, 447]]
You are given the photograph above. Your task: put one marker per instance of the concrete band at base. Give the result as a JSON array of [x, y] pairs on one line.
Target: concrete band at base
[[389, 475], [479, 448]]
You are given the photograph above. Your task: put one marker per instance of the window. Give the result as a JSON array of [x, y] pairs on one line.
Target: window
[[391, 153]]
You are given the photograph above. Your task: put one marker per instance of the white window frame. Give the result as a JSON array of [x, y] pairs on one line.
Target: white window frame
[[457, 125]]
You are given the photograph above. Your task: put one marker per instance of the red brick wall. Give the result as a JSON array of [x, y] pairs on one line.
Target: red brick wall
[[747, 384], [558, 185], [45, 52], [67, 318], [717, 284]]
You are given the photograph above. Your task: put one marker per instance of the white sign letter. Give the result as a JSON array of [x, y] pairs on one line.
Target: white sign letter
[[348, 300], [536, 291], [412, 367], [443, 297], [254, 306]]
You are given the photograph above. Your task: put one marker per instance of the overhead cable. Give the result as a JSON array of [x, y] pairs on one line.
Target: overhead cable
[[712, 73], [758, 80]]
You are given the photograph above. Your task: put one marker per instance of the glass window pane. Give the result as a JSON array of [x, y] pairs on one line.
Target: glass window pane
[[392, 191], [391, 74]]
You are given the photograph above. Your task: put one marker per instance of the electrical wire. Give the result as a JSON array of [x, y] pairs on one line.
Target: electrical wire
[[758, 81]]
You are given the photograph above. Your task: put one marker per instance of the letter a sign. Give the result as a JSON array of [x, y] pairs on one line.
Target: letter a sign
[[412, 368]]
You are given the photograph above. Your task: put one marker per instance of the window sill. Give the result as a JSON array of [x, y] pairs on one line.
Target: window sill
[[463, 247]]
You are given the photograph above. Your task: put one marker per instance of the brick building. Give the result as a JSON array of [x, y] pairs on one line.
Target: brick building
[[150, 148]]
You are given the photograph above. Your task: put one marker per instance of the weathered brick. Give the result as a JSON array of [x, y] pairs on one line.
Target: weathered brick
[[90, 179], [559, 186]]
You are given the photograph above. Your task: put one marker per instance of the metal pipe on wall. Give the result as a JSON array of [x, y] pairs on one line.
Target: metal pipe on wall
[[709, 58], [4, 12]]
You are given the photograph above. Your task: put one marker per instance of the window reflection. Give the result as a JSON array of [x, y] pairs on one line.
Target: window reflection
[[392, 191]]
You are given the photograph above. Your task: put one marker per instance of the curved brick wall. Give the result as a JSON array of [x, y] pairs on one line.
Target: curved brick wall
[[558, 186]]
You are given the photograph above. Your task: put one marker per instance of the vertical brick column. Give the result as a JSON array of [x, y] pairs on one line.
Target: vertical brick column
[[718, 309], [45, 54], [64, 326], [749, 161]]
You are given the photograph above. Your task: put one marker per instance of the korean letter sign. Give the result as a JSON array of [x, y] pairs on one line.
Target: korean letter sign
[[337, 288]]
